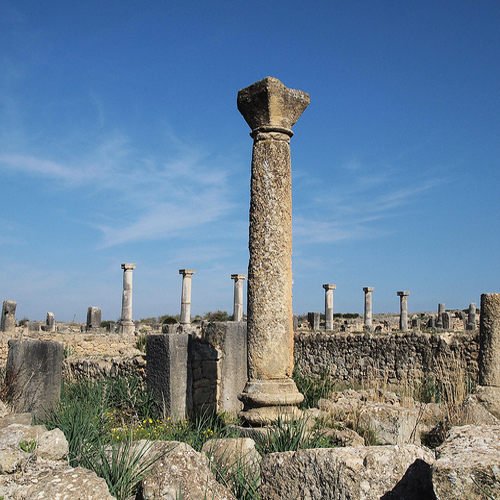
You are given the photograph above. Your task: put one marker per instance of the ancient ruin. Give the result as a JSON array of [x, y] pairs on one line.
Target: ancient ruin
[[126, 326], [329, 288], [270, 109], [368, 315], [238, 296], [187, 274], [403, 306]]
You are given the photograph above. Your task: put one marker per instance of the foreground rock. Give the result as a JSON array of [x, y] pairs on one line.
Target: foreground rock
[[370, 473], [468, 464], [181, 473]]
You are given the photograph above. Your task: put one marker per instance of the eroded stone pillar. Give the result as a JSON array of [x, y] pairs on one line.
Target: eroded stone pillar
[[93, 318], [186, 295], [8, 322], [471, 317], [489, 340], [368, 316], [403, 314], [50, 322], [439, 319], [126, 325], [329, 305], [270, 109], [238, 296]]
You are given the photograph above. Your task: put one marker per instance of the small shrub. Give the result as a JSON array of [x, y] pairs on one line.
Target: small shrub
[[28, 446], [169, 320], [217, 316], [23, 321]]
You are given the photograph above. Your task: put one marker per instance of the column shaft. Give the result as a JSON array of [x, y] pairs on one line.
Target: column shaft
[[186, 295], [489, 340], [238, 296], [329, 305], [403, 315], [368, 315]]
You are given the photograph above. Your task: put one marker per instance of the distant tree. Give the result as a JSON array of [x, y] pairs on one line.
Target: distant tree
[[217, 316]]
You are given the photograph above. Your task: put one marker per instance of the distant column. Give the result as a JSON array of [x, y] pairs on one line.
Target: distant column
[[8, 323], [186, 295], [471, 317], [439, 319], [368, 317], [489, 340], [329, 305], [50, 322], [93, 318], [403, 315], [238, 296], [126, 325]]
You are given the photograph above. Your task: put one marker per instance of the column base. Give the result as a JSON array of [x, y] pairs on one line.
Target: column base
[[126, 328], [266, 400]]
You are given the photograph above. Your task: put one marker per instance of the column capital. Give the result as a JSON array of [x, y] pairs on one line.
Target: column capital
[[126, 266], [328, 286], [238, 277], [403, 294], [367, 289], [186, 272], [269, 106]]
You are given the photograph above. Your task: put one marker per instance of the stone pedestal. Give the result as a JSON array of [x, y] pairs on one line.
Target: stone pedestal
[[238, 296], [368, 316], [126, 326], [270, 109], [403, 315], [329, 305], [471, 317], [313, 318], [93, 319], [186, 295], [8, 322], [489, 340]]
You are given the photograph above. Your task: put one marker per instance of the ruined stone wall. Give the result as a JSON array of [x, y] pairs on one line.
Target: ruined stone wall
[[356, 358]]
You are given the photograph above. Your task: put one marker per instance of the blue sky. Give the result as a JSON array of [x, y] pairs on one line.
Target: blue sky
[[120, 141]]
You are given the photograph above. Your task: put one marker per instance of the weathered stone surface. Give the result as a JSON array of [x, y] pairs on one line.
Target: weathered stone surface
[[391, 424], [181, 473], [52, 445], [8, 320], [489, 397], [11, 458], [475, 412], [67, 484], [369, 473], [489, 334], [16, 433], [468, 464], [345, 437], [15, 418], [233, 453]]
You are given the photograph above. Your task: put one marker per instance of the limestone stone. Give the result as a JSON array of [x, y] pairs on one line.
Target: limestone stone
[[17, 433], [126, 326], [270, 109], [471, 317], [93, 318], [329, 288], [15, 418], [489, 397], [182, 473], [233, 453], [368, 314], [403, 315], [489, 333], [187, 275], [238, 296], [367, 473], [50, 323], [468, 464], [11, 459], [52, 445], [8, 321], [313, 318], [390, 424], [475, 412]]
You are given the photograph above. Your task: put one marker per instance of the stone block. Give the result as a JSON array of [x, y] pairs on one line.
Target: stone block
[[8, 321], [368, 473], [313, 318], [33, 375], [93, 318], [468, 464], [168, 373]]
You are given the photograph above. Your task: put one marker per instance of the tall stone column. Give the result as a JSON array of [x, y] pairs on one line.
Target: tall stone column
[[186, 295], [8, 321], [403, 315], [368, 316], [270, 109], [238, 296], [329, 305], [489, 340], [126, 325]]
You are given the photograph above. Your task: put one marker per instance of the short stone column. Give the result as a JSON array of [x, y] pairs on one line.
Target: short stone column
[[126, 326], [403, 314], [329, 305], [50, 322], [439, 319], [368, 316], [270, 109], [471, 317], [8, 322], [186, 295], [93, 318], [238, 296], [489, 340]]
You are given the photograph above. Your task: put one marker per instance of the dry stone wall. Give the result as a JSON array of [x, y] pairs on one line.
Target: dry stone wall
[[392, 358]]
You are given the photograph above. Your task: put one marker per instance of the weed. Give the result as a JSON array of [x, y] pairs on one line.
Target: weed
[[313, 388], [140, 343], [28, 446]]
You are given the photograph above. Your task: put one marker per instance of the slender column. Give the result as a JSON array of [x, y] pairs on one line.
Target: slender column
[[186, 295], [270, 109], [238, 296], [368, 316], [329, 305], [489, 340], [403, 315], [126, 325]]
